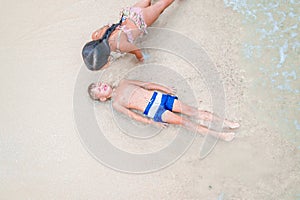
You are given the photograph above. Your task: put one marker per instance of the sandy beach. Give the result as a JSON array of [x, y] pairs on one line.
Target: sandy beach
[[42, 155]]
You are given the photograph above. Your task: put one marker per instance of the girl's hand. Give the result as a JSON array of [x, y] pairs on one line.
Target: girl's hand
[[145, 56]]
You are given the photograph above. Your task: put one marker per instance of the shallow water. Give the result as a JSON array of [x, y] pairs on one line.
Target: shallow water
[[270, 53]]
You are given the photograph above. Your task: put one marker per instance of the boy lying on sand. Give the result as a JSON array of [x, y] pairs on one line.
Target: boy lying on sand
[[158, 104]]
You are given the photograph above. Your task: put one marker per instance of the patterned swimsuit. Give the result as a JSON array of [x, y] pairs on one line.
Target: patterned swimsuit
[[135, 15]]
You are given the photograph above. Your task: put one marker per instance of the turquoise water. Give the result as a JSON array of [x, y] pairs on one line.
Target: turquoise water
[[271, 49]]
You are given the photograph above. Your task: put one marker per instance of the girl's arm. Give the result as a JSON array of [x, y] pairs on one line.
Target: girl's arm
[[131, 48], [138, 54], [99, 33]]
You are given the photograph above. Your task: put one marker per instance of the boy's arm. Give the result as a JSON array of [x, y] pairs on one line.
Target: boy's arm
[[165, 89], [154, 86], [138, 117], [132, 114]]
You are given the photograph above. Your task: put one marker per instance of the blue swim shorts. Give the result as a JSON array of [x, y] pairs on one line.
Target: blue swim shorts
[[158, 104]]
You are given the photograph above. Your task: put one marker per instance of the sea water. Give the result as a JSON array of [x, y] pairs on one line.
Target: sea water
[[270, 51]]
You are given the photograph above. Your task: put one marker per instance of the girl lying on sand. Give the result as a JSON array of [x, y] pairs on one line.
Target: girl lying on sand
[[120, 37]]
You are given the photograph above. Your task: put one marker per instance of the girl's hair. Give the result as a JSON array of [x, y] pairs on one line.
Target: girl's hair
[[95, 53], [91, 93]]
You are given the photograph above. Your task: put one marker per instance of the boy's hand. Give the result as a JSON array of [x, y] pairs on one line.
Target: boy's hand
[[173, 90], [160, 124]]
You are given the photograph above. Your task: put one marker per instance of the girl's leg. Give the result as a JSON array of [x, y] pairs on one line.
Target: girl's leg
[[172, 118], [152, 12], [183, 108], [143, 4]]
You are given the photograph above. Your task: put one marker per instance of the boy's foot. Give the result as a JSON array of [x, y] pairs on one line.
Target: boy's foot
[[227, 136], [232, 125]]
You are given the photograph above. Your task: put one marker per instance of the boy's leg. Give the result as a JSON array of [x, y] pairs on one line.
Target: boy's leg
[[152, 12], [172, 118], [208, 116], [183, 108], [143, 4]]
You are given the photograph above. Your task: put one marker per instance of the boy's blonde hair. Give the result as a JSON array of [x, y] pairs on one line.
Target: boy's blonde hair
[[91, 93]]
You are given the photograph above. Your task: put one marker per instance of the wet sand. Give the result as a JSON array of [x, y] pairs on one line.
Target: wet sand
[[41, 153]]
